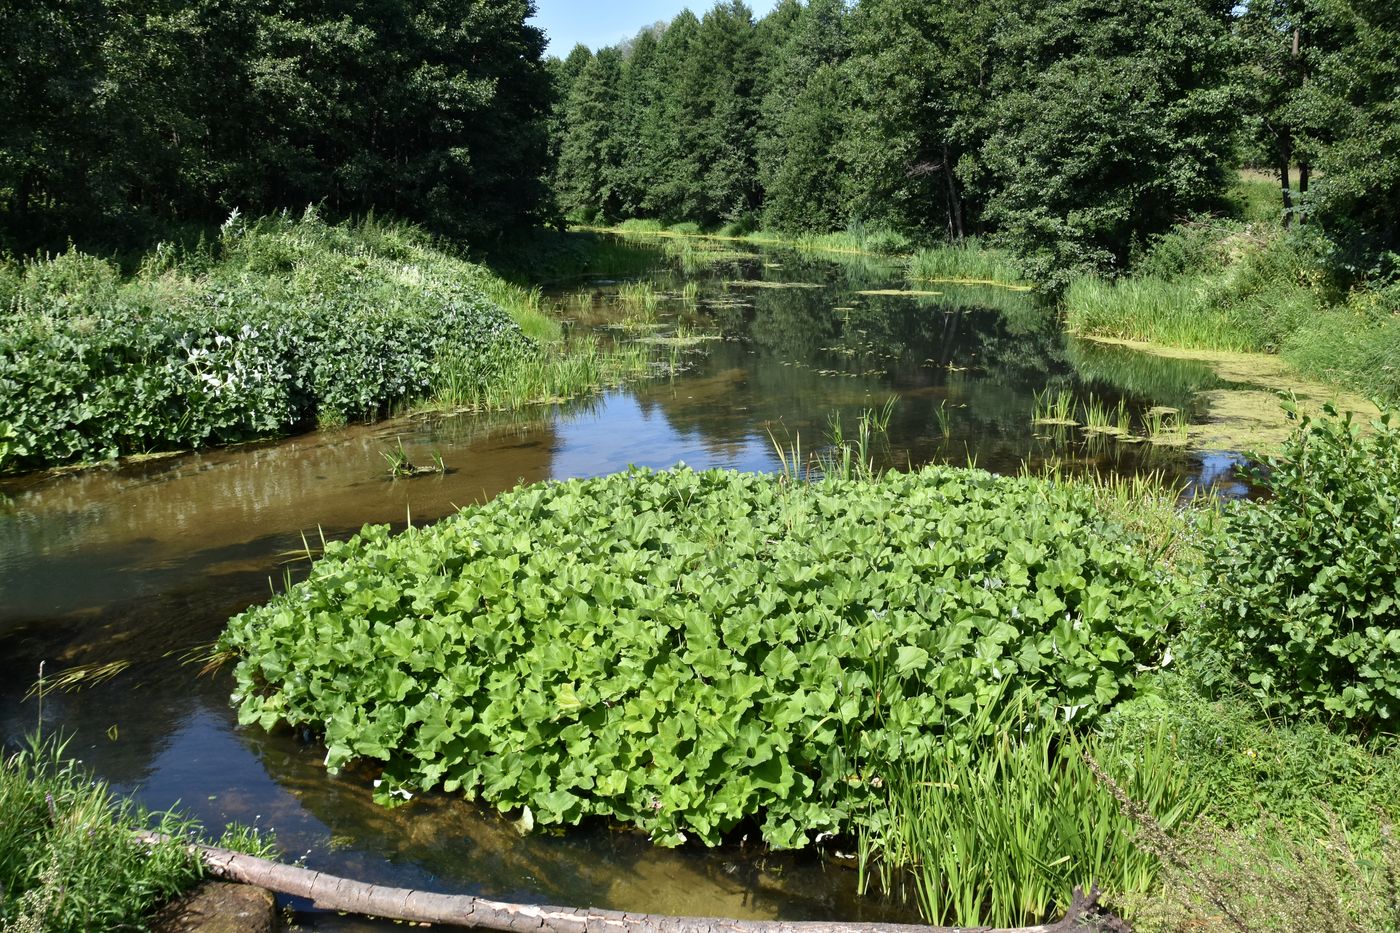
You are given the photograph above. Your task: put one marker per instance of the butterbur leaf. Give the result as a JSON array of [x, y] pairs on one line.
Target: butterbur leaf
[[725, 663]]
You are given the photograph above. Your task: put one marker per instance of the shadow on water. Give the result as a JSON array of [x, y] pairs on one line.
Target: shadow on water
[[144, 562]]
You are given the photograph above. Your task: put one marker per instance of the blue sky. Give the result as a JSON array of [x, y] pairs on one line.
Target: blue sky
[[605, 22]]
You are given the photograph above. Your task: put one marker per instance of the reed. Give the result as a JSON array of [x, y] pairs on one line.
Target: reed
[[1152, 309], [68, 859], [968, 263], [1165, 427], [1000, 831], [1100, 418], [943, 419], [1054, 409], [549, 375], [638, 295]]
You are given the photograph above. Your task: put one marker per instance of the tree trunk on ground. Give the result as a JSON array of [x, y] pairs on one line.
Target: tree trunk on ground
[[330, 893]]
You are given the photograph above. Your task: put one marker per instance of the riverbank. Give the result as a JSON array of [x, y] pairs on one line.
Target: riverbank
[[1238, 287], [1237, 282], [70, 859], [275, 326], [962, 264], [1123, 626]]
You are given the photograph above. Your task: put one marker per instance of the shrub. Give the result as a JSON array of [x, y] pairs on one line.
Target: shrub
[[685, 651], [1304, 594], [294, 321]]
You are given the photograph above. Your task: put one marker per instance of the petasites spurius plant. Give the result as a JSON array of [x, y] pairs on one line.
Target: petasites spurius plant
[[686, 652]]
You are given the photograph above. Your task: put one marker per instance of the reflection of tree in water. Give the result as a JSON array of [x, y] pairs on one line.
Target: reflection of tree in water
[[444, 843], [1163, 380]]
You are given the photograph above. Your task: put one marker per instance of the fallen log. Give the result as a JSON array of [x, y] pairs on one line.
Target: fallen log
[[328, 892]]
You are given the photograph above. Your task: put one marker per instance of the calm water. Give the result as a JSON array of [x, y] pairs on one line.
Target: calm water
[[144, 563]]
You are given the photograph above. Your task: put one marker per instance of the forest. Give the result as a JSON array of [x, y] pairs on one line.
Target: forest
[[1071, 131]]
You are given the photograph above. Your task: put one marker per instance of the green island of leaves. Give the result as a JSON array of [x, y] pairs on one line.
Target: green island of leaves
[[685, 651]]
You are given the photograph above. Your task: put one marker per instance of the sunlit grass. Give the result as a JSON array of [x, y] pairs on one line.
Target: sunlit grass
[[552, 374]]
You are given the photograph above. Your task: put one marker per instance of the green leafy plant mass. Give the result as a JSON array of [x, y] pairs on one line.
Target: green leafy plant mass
[[684, 651], [1305, 586], [283, 323]]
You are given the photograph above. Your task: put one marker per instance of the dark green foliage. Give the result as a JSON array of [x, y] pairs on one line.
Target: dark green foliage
[[921, 81], [685, 651], [1304, 596], [282, 324], [1071, 130], [1112, 119], [121, 119], [592, 153], [805, 113], [1358, 197]]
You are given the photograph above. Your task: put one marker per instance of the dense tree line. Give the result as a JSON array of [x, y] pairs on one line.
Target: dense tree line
[[1069, 129], [119, 117]]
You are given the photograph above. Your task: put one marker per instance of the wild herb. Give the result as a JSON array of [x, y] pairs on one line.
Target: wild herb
[[688, 651], [1304, 591]]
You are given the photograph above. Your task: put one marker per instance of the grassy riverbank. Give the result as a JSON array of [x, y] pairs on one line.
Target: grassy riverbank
[[1244, 283], [956, 674], [274, 326], [966, 263], [69, 862]]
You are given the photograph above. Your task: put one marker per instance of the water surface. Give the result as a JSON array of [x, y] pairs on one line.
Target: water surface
[[144, 562]]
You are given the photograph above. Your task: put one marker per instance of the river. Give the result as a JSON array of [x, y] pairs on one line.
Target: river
[[139, 565]]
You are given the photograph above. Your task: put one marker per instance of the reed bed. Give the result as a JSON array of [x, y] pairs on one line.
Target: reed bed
[[999, 832], [549, 375]]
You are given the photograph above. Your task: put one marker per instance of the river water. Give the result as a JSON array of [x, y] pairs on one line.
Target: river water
[[141, 564]]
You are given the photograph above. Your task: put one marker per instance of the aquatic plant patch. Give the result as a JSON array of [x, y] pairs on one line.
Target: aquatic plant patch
[[688, 651]]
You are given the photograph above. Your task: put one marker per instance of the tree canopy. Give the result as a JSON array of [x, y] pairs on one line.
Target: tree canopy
[[120, 117], [1068, 130]]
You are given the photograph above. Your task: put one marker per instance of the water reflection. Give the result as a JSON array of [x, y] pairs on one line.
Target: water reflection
[[146, 561]]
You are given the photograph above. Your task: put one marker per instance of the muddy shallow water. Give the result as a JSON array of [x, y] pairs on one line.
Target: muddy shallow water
[[143, 563]]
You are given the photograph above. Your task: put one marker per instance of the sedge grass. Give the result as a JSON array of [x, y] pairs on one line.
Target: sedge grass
[[552, 374], [1152, 309], [1001, 831], [967, 263], [1165, 427], [638, 295], [69, 859], [1054, 409]]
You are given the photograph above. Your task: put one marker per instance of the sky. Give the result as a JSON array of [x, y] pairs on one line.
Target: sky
[[606, 22]]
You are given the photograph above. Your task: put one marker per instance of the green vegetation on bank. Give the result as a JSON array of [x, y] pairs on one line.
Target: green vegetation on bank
[[277, 325], [69, 859], [966, 262], [1220, 284], [686, 651], [992, 684]]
